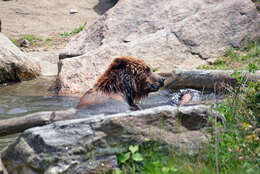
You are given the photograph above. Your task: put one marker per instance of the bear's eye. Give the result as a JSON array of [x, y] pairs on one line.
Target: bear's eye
[[148, 71]]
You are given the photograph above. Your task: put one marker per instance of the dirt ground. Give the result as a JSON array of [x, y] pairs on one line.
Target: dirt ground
[[46, 18]]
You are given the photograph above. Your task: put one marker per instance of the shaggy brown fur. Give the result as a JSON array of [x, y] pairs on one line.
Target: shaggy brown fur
[[127, 80]]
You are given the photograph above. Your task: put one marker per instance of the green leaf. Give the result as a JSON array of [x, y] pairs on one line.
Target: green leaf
[[165, 169], [138, 157], [174, 169], [133, 149], [156, 163], [124, 157], [251, 170], [257, 150], [252, 67], [118, 171]]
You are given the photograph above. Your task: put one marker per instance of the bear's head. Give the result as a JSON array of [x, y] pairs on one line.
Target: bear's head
[[131, 77]]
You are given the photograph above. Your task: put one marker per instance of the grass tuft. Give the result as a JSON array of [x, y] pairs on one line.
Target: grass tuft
[[32, 39], [14, 41], [74, 31], [48, 39], [154, 69]]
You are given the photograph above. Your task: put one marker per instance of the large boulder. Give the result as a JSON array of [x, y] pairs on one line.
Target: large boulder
[[91, 144], [165, 34], [14, 65]]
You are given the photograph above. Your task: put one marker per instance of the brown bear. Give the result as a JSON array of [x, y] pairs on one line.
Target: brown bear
[[126, 81]]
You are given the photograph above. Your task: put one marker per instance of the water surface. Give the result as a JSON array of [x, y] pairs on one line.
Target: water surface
[[26, 97]]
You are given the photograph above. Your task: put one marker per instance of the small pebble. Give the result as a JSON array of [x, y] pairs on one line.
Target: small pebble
[[73, 11]]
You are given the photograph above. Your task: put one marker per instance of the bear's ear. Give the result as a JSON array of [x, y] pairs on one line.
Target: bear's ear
[[119, 63]]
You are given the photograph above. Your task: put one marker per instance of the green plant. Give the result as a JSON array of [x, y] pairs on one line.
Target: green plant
[[32, 39], [14, 41], [154, 69], [48, 39], [252, 67], [238, 144], [237, 58], [131, 157], [232, 54], [74, 31], [158, 159], [254, 50], [218, 64]]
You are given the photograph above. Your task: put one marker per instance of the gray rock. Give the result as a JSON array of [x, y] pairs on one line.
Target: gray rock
[[24, 43], [91, 144], [212, 80], [2, 169], [14, 65], [165, 34], [0, 25], [47, 61]]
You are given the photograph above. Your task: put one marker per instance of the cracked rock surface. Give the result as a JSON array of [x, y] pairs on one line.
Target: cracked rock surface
[[165, 34]]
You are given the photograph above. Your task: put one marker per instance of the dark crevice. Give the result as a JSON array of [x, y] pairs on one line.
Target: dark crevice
[[188, 43], [178, 37], [198, 54], [64, 55]]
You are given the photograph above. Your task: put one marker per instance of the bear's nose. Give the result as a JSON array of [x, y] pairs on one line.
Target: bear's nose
[[162, 81]]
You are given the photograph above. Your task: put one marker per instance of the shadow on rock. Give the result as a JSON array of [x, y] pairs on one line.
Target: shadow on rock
[[104, 5]]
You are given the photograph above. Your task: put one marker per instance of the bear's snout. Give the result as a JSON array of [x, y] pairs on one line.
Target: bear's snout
[[157, 82]]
